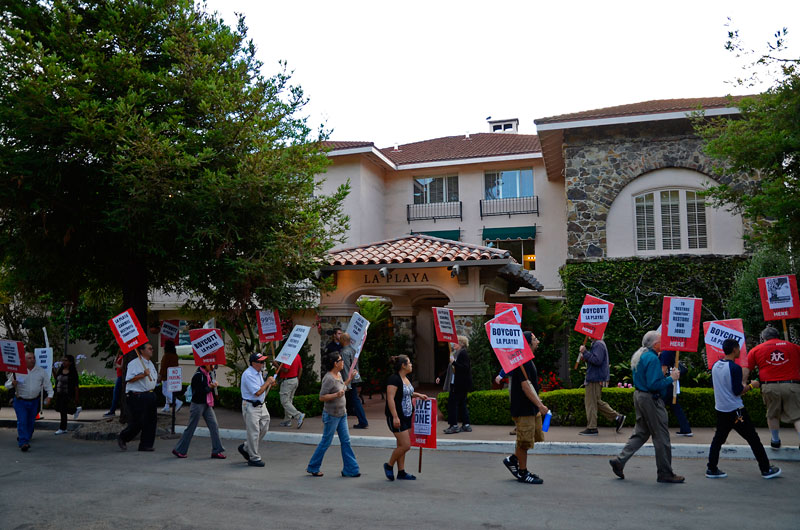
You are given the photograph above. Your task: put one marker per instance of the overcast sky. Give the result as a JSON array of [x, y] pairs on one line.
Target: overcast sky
[[409, 70]]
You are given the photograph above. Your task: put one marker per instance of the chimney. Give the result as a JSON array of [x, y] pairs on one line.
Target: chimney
[[510, 126]]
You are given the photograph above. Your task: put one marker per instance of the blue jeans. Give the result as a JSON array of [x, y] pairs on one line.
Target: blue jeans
[[117, 390], [358, 409], [334, 424], [26, 418], [681, 417]]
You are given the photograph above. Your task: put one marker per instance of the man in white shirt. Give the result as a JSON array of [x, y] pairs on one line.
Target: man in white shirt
[[27, 388], [140, 381], [254, 412]]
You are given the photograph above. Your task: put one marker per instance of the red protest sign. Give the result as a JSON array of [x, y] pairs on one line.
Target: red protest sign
[[516, 309], [207, 346], [423, 427], [445, 324], [716, 331], [594, 316], [269, 325], [169, 331], [680, 323], [779, 297], [508, 342], [127, 331], [12, 357]]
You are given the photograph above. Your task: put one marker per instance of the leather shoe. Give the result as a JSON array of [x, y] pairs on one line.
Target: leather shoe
[[122, 445], [24, 448], [256, 463], [671, 479], [243, 452], [617, 467], [220, 456]]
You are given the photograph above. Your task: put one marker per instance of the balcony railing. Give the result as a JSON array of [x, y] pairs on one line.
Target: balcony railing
[[512, 206], [434, 210]]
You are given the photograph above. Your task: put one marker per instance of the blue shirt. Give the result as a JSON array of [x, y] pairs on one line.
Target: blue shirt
[[648, 377], [596, 362]]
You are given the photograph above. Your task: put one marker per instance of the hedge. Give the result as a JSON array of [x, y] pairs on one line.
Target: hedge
[[491, 407]]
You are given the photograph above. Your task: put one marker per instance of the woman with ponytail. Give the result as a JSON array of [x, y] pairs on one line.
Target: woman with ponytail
[[399, 411]]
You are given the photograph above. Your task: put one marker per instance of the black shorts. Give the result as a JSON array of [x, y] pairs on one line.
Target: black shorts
[[405, 423]]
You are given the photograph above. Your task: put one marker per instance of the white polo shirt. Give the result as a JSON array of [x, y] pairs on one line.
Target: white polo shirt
[[252, 381], [135, 367]]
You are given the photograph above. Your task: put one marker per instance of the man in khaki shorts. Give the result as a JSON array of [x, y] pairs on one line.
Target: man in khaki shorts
[[527, 411], [778, 363]]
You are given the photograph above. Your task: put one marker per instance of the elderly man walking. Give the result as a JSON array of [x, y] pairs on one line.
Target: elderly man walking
[[27, 389], [597, 374]]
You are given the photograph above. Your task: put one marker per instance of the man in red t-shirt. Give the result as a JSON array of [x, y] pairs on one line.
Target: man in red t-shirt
[[778, 363], [289, 377]]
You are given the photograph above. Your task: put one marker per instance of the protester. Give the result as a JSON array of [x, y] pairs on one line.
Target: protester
[[461, 384], [498, 379], [140, 382], [335, 345], [289, 376], [254, 411], [667, 359], [778, 363], [527, 411], [202, 405], [597, 374], [66, 402], [334, 418], [399, 411], [170, 360], [651, 415], [118, 384], [354, 405], [27, 389], [729, 388]]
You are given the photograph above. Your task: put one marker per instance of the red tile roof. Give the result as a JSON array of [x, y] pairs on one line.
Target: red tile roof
[[460, 147], [416, 248], [335, 145], [657, 106]]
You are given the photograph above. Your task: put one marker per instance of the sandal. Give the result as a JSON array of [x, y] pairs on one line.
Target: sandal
[[315, 473]]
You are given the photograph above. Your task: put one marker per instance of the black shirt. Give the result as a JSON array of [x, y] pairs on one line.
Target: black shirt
[[333, 346], [520, 404], [395, 380]]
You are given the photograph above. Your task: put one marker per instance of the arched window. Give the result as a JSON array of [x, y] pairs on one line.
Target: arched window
[[670, 220]]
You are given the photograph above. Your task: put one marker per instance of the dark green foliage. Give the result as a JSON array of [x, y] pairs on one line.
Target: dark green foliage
[[485, 365], [373, 363], [547, 321]]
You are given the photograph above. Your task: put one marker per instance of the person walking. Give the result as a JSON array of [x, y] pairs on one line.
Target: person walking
[[460, 386], [289, 376], [399, 410], [140, 382], [354, 405], [334, 418], [27, 391], [202, 406], [66, 402], [335, 345], [729, 388], [597, 374], [651, 415], [254, 411], [170, 360], [118, 384], [667, 359]]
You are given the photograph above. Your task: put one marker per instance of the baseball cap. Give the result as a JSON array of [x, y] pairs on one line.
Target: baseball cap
[[257, 358]]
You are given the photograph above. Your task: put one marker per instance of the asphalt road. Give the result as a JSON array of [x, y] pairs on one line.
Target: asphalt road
[[68, 483]]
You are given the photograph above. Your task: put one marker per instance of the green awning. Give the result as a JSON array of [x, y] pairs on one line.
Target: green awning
[[513, 232], [452, 235]]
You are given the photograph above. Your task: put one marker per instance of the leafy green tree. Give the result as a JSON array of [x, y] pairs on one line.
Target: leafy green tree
[[547, 321], [141, 148]]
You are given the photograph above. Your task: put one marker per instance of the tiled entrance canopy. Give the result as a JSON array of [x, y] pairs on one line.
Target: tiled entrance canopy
[[417, 248]]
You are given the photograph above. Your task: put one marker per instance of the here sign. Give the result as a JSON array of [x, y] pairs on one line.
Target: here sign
[[423, 427], [445, 324], [127, 331], [680, 323], [207, 346], [269, 325], [716, 332], [508, 342], [594, 316], [12, 357], [779, 297]]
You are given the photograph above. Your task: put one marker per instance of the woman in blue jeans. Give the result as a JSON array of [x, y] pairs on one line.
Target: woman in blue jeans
[[334, 418]]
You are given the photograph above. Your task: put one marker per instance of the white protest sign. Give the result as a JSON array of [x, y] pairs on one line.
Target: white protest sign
[[174, 379], [268, 323], [357, 329], [717, 334], [10, 352], [293, 344], [594, 313], [780, 292], [207, 344], [423, 417], [169, 330], [126, 328], [44, 358], [681, 316], [507, 336]]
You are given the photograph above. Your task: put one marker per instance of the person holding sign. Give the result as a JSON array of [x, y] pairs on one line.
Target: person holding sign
[[460, 385], [118, 384], [289, 376], [729, 388], [140, 383], [202, 405], [597, 375], [334, 418], [778, 363], [667, 359], [170, 360], [66, 377], [254, 412], [354, 405], [27, 389], [651, 415], [399, 412]]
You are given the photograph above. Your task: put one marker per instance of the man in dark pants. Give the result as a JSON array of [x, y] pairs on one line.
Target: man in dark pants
[[728, 391], [667, 359], [461, 385], [140, 381]]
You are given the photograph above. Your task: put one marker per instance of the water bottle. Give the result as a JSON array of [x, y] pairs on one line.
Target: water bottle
[[546, 421]]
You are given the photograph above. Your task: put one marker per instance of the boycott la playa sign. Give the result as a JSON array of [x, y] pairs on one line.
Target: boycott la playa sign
[[716, 332], [269, 325], [508, 342], [779, 297], [516, 310], [423, 429], [594, 316], [127, 331], [169, 331], [12, 357], [445, 324], [207, 346], [292, 345], [680, 323]]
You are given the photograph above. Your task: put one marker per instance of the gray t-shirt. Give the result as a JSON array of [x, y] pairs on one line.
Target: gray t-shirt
[[330, 385]]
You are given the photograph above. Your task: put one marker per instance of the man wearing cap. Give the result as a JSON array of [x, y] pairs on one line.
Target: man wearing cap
[[27, 388], [778, 363], [140, 381], [254, 412]]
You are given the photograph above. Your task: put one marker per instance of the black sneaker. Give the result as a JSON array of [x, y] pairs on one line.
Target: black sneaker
[[512, 464], [453, 429], [688, 434], [775, 445], [715, 473], [256, 463], [530, 478], [619, 422], [466, 428], [244, 453], [772, 472], [588, 432], [617, 467]]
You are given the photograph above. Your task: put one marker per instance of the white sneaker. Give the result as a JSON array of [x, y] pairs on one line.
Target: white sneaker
[[60, 431], [165, 410], [178, 406], [77, 411]]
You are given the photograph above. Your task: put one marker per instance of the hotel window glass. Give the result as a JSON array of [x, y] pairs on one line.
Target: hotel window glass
[[522, 250], [681, 224], [429, 190], [514, 183]]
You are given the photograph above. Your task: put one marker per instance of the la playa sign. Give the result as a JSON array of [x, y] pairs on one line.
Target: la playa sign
[[393, 278]]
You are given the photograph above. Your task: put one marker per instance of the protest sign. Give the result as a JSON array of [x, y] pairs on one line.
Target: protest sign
[[127, 331], [44, 358], [292, 345], [174, 379], [357, 329], [269, 325], [12, 357], [423, 428], [508, 342], [516, 310], [593, 317], [445, 324], [680, 323], [207, 346], [779, 297], [716, 331], [169, 331]]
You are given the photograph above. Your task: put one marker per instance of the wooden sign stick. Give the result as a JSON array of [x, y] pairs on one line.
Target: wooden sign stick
[[785, 330], [419, 469], [149, 376], [675, 383], [578, 360]]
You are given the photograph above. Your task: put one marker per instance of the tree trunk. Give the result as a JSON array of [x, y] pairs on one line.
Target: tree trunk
[[135, 291]]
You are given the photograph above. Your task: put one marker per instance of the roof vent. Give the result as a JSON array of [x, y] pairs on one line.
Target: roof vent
[[466, 136], [396, 146], [504, 126]]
